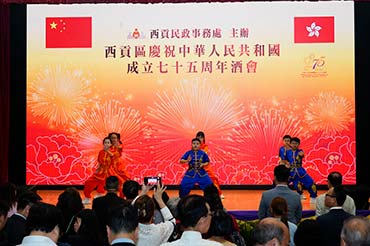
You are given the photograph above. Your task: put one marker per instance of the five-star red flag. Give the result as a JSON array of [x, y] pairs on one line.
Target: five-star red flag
[[68, 32], [318, 29]]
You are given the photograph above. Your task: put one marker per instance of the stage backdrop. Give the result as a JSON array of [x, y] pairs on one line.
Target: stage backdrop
[[244, 73]]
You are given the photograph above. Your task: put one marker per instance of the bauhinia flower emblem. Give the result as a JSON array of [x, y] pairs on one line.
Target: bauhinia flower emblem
[[313, 30]]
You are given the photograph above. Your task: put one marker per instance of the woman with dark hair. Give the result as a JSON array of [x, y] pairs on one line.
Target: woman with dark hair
[[203, 146], [70, 203], [221, 228], [86, 227], [214, 201], [150, 233]]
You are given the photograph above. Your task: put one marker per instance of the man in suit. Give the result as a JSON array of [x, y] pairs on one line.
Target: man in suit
[[43, 224], [15, 227], [334, 179], [281, 176], [101, 204], [122, 225], [331, 223]]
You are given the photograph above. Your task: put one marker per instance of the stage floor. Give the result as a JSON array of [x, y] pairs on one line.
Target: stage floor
[[234, 199]]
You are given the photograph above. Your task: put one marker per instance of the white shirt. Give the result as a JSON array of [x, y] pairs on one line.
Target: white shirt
[[348, 205], [193, 238], [156, 234], [35, 240]]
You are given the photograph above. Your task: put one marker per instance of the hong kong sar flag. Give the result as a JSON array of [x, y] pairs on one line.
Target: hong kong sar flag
[[314, 29], [68, 32]]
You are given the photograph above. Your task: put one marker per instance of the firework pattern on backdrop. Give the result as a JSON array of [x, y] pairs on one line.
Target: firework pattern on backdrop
[[243, 134]]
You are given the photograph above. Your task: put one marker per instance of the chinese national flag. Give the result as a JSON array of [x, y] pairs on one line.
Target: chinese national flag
[[68, 32], [314, 29]]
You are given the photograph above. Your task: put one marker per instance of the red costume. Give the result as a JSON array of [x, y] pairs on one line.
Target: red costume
[[118, 167], [105, 161], [209, 170]]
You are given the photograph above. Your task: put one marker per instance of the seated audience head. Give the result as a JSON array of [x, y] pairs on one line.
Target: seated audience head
[[308, 233], [25, 201], [335, 196], [279, 209], [8, 193], [222, 224], [122, 222], [194, 213], [87, 224], [270, 231], [145, 207], [356, 231], [130, 189], [165, 199], [212, 196], [4, 208], [172, 205], [334, 179], [70, 203], [44, 219], [281, 174], [111, 184]]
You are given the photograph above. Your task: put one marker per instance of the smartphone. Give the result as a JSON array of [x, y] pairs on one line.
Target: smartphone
[[152, 180]]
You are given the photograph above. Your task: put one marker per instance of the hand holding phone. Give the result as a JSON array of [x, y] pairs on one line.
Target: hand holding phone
[[152, 181]]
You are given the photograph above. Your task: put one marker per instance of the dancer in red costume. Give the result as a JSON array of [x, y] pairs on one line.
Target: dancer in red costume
[[97, 180], [203, 146], [118, 167]]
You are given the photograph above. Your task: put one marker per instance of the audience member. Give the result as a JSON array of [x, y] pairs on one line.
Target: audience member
[[8, 195], [150, 233], [101, 204], [122, 225], [4, 208], [172, 205], [195, 218], [281, 176], [158, 218], [214, 201], [87, 230], [70, 203], [355, 231], [308, 233], [270, 231], [130, 190], [43, 225], [334, 179], [279, 210], [331, 223], [221, 228], [16, 225]]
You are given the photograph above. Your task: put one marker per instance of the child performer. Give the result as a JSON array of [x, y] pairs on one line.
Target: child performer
[[203, 146], [299, 175], [118, 168], [196, 159], [105, 160], [283, 158]]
